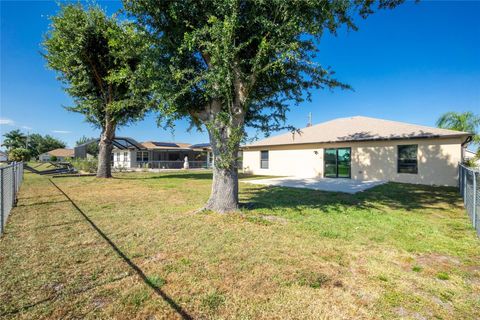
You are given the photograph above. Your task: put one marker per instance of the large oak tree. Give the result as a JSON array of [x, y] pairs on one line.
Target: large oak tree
[[99, 59], [228, 64]]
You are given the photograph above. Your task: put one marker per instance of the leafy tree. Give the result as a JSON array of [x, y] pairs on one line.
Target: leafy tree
[[461, 121], [38, 144], [228, 64], [92, 148], [19, 154], [50, 143], [99, 59], [14, 139]]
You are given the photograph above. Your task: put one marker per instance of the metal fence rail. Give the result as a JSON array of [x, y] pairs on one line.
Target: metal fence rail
[[11, 177], [469, 184]]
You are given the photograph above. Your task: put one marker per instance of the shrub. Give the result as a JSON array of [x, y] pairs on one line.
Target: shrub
[[53, 158], [85, 165], [19, 154]]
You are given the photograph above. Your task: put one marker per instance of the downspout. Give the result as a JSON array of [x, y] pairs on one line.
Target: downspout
[[464, 143]]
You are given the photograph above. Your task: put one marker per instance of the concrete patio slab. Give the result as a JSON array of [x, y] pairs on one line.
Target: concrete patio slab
[[323, 184]]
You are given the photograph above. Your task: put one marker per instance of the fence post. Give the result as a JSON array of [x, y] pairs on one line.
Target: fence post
[[464, 186], [13, 184], [2, 203], [474, 214], [460, 179]]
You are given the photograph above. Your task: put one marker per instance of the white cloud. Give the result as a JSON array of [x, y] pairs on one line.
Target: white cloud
[[61, 131], [27, 128], [8, 122]]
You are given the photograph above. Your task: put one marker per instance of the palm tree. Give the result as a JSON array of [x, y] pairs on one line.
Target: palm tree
[[461, 121], [14, 139]]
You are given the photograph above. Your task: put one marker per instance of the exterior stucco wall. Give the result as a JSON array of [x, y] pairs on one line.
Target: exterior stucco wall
[[373, 160]]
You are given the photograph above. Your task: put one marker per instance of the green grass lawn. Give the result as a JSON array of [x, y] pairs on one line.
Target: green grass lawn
[[136, 250]]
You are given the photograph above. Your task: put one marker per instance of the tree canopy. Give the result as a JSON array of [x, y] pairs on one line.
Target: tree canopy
[[256, 55], [461, 121], [99, 59], [14, 139], [38, 144]]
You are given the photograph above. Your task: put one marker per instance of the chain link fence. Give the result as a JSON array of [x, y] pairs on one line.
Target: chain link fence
[[11, 177], [469, 183]]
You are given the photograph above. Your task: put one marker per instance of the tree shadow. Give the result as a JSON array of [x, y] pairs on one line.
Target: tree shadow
[[398, 196], [41, 203], [182, 312], [195, 176]]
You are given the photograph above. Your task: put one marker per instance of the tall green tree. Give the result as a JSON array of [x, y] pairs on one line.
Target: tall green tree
[[99, 60], [228, 64], [461, 121], [14, 139], [38, 144]]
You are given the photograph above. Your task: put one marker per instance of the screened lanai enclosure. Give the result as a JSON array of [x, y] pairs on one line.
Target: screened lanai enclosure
[[130, 154]]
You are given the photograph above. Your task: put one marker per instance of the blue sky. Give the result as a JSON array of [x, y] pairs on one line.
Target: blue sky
[[409, 64]]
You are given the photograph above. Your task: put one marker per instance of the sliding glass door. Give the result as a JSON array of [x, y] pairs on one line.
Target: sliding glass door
[[330, 158], [337, 163]]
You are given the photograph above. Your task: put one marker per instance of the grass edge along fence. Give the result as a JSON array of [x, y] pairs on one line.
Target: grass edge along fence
[[11, 177], [469, 185]]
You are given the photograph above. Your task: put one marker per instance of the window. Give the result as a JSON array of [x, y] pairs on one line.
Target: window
[[118, 156], [125, 156], [337, 163], [264, 159], [142, 156], [407, 159]]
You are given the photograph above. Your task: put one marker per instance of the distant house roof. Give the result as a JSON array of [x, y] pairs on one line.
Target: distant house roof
[[61, 152], [358, 129], [2, 153], [159, 145]]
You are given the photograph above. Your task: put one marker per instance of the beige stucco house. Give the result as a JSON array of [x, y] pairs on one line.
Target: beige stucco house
[[361, 148]]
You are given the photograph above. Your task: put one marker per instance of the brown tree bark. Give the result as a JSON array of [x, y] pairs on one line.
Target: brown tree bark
[[225, 134], [224, 195], [105, 146]]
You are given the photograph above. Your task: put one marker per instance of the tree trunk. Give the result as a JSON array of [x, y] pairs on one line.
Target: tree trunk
[[224, 196], [226, 128], [105, 146], [225, 145]]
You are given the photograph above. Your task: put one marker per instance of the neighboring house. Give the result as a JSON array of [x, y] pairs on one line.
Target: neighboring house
[[3, 156], [361, 148], [61, 154], [130, 154]]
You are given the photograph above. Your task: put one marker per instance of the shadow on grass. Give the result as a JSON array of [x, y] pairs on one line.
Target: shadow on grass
[[130, 263], [166, 175], [41, 203], [393, 195], [187, 175]]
